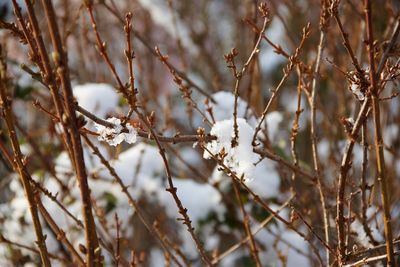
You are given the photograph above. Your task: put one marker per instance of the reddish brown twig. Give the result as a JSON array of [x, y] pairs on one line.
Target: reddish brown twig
[[61, 62], [293, 61], [173, 190], [380, 159], [246, 223], [5, 103], [132, 202], [60, 234]]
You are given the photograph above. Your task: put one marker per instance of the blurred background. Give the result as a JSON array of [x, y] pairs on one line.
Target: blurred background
[[196, 35]]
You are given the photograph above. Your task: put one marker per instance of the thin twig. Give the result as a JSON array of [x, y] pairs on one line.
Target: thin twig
[[293, 60], [61, 61], [7, 113], [246, 222], [313, 126], [173, 190], [253, 232], [380, 159]]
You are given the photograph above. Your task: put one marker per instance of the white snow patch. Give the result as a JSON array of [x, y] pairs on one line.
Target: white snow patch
[[162, 16], [198, 199], [116, 135], [97, 98], [390, 133], [240, 159], [324, 149], [269, 60], [273, 119], [224, 106], [358, 228], [266, 180], [356, 89], [278, 238], [141, 168]]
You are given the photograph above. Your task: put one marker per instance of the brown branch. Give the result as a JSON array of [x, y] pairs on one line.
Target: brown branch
[[173, 190], [12, 27], [102, 48], [19, 245], [130, 55], [132, 202], [39, 56], [49, 166], [117, 254], [295, 130], [169, 243], [238, 75], [39, 187], [345, 36], [262, 203], [380, 159], [272, 156], [368, 260], [364, 186], [313, 126], [344, 169], [61, 61], [311, 229], [150, 48], [7, 113], [246, 222], [389, 48], [178, 80], [59, 233], [277, 48], [293, 60], [247, 239]]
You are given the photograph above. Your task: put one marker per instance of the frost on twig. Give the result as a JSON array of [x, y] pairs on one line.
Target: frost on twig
[[240, 159], [356, 84], [115, 136]]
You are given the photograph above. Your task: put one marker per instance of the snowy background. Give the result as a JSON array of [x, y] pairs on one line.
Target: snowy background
[[195, 35]]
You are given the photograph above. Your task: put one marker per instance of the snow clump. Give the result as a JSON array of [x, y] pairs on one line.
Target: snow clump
[[355, 85], [115, 136], [240, 158]]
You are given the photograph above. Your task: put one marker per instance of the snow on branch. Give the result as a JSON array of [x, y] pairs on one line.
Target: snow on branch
[[118, 134], [240, 158]]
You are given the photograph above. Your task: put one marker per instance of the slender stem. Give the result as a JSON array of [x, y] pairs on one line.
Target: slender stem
[[132, 202], [379, 144], [5, 103], [60, 233], [295, 131], [314, 140], [19, 245], [254, 232], [239, 75], [345, 36], [40, 56], [368, 260], [364, 186], [293, 60], [173, 190], [61, 61], [246, 223], [344, 169], [265, 206], [389, 48]]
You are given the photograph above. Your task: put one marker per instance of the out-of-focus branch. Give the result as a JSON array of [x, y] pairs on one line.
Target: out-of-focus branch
[[379, 143], [7, 114]]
